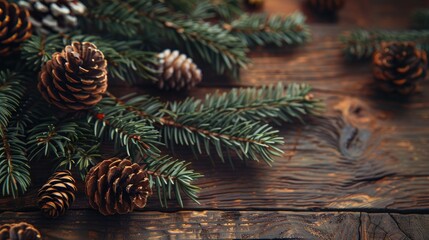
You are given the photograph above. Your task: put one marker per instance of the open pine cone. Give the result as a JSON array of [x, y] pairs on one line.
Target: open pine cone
[[54, 16], [57, 195], [19, 231], [398, 67], [75, 78], [326, 6], [117, 186], [15, 27], [178, 72]]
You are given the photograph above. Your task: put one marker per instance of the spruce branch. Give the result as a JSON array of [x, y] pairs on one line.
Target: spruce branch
[[261, 29], [126, 129], [168, 175], [208, 42], [12, 90], [361, 44], [14, 168]]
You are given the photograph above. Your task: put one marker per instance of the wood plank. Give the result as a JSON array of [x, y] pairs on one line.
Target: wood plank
[[362, 154], [84, 224]]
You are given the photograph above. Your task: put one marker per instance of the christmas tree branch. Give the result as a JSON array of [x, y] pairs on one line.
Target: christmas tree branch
[[14, 168], [168, 175], [261, 29], [361, 44], [200, 40], [12, 90]]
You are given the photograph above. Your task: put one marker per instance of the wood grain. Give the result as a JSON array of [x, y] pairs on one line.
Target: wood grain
[[80, 224]]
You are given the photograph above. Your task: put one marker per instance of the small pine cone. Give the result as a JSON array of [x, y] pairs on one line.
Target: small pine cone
[[326, 6], [18, 231], [75, 78], [57, 195], [177, 71], [254, 4], [117, 186], [398, 67], [54, 16], [15, 27]]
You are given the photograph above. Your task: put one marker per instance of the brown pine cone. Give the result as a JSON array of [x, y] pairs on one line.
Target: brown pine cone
[[398, 67], [117, 186], [19, 231], [326, 6], [54, 16], [178, 72], [57, 195], [15, 27], [254, 4], [75, 78]]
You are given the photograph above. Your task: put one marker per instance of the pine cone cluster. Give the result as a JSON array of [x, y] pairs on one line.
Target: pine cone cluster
[[178, 72], [54, 16], [398, 67], [326, 6], [75, 78], [117, 186], [57, 195], [19, 231], [15, 27]]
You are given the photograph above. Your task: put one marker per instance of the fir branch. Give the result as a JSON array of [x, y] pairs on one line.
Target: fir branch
[[200, 40], [420, 19], [248, 139], [14, 168], [126, 129], [50, 138], [261, 29], [113, 18], [224, 10], [39, 49], [168, 176], [361, 44], [12, 90]]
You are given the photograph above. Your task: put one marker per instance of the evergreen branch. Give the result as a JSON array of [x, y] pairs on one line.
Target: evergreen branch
[[225, 9], [39, 49], [204, 41], [168, 175], [248, 139], [361, 44], [14, 168], [113, 18], [126, 129], [420, 19], [51, 138], [261, 29], [12, 90]]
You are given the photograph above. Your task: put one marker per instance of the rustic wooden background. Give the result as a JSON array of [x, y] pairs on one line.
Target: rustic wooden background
[[359, 172]]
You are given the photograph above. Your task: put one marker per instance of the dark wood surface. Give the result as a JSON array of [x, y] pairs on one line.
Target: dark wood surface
[[361, 171]]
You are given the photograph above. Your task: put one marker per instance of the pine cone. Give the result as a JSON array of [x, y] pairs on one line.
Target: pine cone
[[398, 67], [76, 78], [54, 16], [117, 186], [15, 27], [254, 4], [57, 195], [177, 71], [326, 6], [18, 231]]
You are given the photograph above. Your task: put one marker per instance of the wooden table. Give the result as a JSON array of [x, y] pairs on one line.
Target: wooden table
[[359, 172]]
